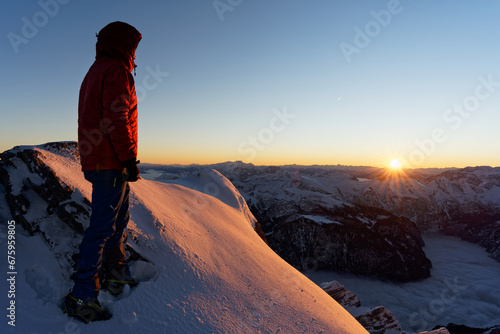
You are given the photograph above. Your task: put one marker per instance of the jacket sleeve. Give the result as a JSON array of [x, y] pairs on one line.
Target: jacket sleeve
[[119, 106]]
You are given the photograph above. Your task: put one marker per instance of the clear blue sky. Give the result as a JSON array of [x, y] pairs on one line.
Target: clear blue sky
[[270, 82]]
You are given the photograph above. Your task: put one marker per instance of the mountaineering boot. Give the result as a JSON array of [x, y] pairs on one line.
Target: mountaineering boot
[[115, 287], [115, 280], [115, 271], [86, 310]]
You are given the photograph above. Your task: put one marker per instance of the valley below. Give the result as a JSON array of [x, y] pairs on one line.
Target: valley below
[[462, 288]]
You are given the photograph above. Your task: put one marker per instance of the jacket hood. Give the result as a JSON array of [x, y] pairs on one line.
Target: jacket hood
[[118, 40]]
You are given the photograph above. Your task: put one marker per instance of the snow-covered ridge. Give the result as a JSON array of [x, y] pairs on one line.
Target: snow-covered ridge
[[215, 274]]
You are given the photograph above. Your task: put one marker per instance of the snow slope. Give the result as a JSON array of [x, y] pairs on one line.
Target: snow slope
[[215, 274]]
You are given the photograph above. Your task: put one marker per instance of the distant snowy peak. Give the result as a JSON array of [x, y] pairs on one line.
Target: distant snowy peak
[[213, 183]]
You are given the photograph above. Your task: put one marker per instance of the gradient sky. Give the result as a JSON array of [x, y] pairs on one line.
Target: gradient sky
[[270, 82]]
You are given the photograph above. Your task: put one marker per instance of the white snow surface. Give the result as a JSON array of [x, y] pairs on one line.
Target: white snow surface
[[321, 220], [215, 274]]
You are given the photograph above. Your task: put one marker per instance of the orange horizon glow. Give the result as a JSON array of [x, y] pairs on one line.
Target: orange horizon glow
[[208, 158], [174, 153]]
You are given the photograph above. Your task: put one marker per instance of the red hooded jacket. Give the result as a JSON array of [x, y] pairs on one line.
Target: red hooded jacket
[[107, 107]]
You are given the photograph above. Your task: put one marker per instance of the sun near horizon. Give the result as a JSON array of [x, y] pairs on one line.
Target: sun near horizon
[[395, 164]]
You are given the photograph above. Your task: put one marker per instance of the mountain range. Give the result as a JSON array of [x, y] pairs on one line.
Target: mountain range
[[363, 220]]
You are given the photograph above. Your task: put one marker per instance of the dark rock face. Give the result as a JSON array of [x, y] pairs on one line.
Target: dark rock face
[[24, 175], [350, 245], [343, 296], [42, 203], [379, 320], [376, 320]]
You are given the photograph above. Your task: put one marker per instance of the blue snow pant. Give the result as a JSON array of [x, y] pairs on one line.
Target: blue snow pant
[[102, 244]]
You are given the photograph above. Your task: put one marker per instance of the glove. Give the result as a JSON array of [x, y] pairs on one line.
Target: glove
[[131, 171]]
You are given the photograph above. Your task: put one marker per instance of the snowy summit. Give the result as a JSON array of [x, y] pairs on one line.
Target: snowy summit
[[205, 269]]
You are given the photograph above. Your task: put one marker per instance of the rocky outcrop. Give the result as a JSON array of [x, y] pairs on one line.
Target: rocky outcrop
[[343, 296], [26, 180], [379, 320], [43, 204], [376, 320]]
